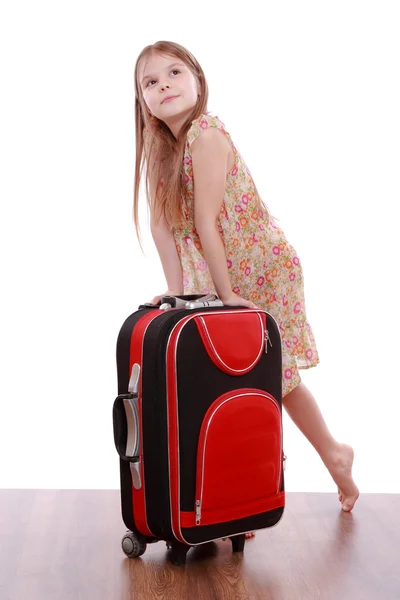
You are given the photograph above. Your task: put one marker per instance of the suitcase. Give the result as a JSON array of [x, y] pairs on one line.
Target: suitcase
[[198, 424]]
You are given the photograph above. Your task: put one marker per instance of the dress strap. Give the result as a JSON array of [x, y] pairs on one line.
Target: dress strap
[[202, 123]]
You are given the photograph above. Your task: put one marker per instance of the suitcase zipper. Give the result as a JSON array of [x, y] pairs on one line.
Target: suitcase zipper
[[267, 339], [198, 512], [166, 326]]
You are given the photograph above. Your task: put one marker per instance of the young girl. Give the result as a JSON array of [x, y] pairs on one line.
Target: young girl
[[215, 235]]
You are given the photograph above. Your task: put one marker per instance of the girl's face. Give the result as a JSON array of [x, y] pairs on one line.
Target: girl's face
[[163, 76]]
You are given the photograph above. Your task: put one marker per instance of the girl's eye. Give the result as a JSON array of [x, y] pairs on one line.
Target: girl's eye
[[173, 71]]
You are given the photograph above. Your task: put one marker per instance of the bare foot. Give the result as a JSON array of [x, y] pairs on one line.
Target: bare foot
[[340, 468]]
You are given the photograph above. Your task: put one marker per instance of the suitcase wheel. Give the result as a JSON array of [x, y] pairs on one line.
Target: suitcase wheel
[[238, 543], [133, 545], [178, 552]]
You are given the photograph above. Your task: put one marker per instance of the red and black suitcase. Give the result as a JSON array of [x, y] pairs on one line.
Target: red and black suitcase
[[198, 424]]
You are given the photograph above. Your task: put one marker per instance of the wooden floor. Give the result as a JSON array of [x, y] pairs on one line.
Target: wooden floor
[[65, 544]]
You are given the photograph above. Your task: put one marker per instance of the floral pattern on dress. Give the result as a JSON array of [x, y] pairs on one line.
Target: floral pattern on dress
[[263, 266]]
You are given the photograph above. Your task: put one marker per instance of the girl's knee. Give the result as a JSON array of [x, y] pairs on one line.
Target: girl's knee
[[294, 384]]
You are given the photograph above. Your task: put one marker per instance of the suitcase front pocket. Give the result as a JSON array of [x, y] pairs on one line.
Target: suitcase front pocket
[[220, 334], [239, 457]]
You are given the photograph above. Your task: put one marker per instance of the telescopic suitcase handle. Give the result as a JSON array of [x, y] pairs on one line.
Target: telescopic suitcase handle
[[186, 301], [190, 302]]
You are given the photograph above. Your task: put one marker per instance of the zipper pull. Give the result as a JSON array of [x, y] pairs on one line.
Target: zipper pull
[[267, 340], [284, 457], [198, 512]]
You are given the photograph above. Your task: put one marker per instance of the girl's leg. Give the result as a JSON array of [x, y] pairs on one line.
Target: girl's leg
[[303, 409]]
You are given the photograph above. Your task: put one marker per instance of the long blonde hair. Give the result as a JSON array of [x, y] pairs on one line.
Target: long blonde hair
[[157, 147]]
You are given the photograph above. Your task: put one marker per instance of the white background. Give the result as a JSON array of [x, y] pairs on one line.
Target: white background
[[310, 94]]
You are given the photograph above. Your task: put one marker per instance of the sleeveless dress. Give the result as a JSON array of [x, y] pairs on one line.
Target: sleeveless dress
[[262, 265]]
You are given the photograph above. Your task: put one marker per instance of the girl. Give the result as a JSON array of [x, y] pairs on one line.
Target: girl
[[214, 234]]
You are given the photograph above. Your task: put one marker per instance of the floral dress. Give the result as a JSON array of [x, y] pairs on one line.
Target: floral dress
[[262, 265]]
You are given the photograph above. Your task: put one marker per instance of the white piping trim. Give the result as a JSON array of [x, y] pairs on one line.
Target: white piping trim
[[181, 324], [141, 427]]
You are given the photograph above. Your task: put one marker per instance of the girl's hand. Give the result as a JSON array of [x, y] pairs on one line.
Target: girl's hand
[[157, 299], [235, 300]]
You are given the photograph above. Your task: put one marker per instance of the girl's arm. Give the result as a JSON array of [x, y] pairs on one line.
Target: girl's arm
[[164, 240], [165, 244], [210, 152]]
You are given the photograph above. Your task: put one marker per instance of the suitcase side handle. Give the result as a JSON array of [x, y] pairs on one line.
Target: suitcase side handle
[[126, 419], [126, 427]]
